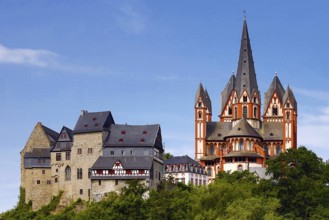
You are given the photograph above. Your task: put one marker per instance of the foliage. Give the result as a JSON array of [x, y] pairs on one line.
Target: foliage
[[167, 156], [298, 189]]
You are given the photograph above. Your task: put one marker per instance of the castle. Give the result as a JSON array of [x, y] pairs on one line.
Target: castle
[[241, 139], [96, 157]]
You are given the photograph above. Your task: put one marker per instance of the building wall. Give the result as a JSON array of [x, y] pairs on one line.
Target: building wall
[[81, 187]]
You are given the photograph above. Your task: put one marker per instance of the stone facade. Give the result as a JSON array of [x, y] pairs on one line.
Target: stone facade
[[52, 162]]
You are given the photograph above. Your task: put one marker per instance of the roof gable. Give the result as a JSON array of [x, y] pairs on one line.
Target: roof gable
[[93, 122], [243, 129]]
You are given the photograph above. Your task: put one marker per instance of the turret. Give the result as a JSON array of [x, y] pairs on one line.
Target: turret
[[289, 120]]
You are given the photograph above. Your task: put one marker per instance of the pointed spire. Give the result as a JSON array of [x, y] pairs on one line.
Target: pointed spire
[[201, 92], [290, 95], [246, 75], [227, 91], [275, 86]]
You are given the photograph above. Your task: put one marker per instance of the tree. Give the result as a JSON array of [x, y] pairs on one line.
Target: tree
[[167, 156]]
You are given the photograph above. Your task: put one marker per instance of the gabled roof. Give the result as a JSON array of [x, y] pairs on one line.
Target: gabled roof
[[93, 122], [216, 131], [61, 142], [181, 160], [227, 91], [277, 87], [242, 154], [38, 153], [243, 129], [52, 135], [290, 95], [204, 97], [246, 74], [127, 162], [134, 135]]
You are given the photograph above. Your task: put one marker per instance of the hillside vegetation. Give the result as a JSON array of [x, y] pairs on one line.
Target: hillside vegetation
[[298, 189]]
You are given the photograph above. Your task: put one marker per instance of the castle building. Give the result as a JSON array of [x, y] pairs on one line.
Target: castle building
[[243, 137], [94, 158], [184, 169]]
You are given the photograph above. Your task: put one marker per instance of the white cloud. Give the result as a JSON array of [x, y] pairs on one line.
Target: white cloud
[[130, 20], [319, 95], [41, 58]]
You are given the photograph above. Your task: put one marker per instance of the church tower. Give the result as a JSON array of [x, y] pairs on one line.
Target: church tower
[[203, 114], [241, 98], [289, 120]]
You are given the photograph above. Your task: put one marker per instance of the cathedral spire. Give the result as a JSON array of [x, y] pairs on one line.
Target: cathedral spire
[[246, 75]]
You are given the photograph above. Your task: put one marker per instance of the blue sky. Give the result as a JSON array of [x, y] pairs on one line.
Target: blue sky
[[143, 60]]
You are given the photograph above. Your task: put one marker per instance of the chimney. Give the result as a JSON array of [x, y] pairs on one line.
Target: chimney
[[83, 112]]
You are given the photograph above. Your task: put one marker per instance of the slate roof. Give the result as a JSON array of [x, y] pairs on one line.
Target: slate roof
[[216, 131], [204, 96], [38, 153], [277, 87], [52, 135], [260, 172], [210, 157], [181, 160], [127, 162], [290, 95], [93, 122], [272, 131], [242, 154], [243, 129], [134, 135], [227, 91], [246, 74]]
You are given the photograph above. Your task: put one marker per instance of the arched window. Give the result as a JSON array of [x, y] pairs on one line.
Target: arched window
[[274, 110], [245, 111], [240, 168], [278, 149], [199, 114], [255, 99], [209, 171], [255, 112], [230, 110], [241, 144], [68, 173], [199, 104], [266, 149], [235, 112], [245, 98], [211, 150], [288, 115]]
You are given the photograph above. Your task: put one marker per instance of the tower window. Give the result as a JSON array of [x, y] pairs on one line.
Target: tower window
[[235, 112], [230, 110], [199, 114], [199, 104], [255, 99], [255, 112], [288, 115], [245, 98], [244, 61], [244, 74], [288, 105], [274, 110], [245, 111]]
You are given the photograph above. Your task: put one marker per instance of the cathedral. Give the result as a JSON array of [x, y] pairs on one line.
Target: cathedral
[[244, 137]]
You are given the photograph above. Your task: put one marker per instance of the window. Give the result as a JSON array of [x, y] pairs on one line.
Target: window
[[199, 104], [56, 180], [56, 170], [90, 151], [274, 110], [58, 156], [116, 182], [229, 110], [63, 135], [266, 149], [43, 171], [199, 114], [68, 155], [81, 191], [99, 182], [288, 105], [245, 111], [79, 150], [255, 112], [245, 98], [235, 112], [89, 173], [79, 173], [241, 144], [48, 181], [123, 152], [131, 152], [38, 181], [240, 168], [68, 173], [288, 115], [112, 152], [278, 149], [211, 150], [255, 99]]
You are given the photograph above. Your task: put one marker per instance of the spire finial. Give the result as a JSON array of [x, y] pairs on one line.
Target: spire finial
[[244, 14], [232, 73], [276, 73]]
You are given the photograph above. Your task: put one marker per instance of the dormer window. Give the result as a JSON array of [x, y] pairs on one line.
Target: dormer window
[[123, 132], [142, 140], [144, 132], [120, 140]]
